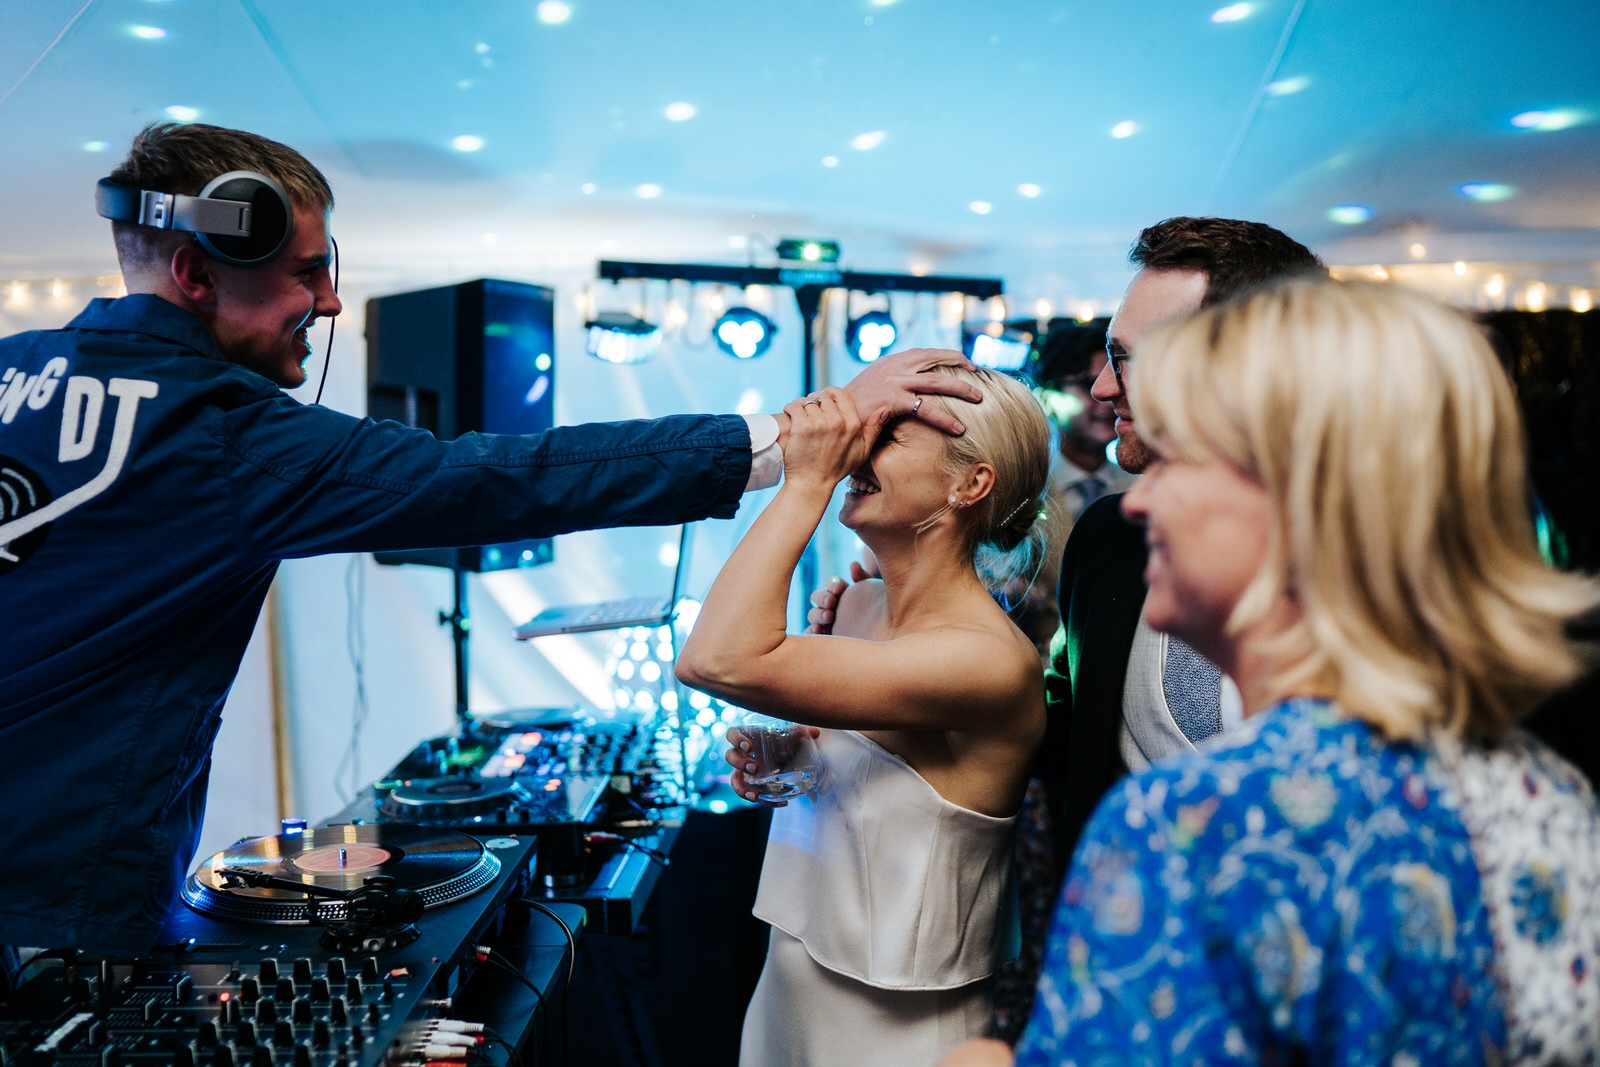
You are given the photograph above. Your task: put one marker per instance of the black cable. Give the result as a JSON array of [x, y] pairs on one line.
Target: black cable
[[572, 941], [512, 1059], [66, 956], [327, 356], [623, 840], [566, 989], [491, 956], [355, 643], [653, 854]]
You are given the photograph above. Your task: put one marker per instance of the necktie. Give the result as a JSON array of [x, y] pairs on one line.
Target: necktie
[[1193, 688], [1090, 489]]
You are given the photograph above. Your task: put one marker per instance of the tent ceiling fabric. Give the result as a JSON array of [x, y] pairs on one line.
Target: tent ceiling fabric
[[1292, 109]]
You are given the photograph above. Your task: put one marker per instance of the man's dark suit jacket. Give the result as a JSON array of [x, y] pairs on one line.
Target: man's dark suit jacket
[[1100, 597]]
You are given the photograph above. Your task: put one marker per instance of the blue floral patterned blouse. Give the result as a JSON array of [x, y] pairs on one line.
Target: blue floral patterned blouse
[[1306, 892]]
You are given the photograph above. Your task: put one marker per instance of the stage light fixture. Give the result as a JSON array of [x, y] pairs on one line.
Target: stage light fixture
[[870, 336], [744, 333], [617, 337], [803, 251], [998, 346]]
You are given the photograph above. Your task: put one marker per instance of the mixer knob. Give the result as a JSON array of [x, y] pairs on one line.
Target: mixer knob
[[352, 989], [302, 971], [269, 971], [301, 1013], [319, 990], [337, 1013], [285, 988], [336, 970], [246, 1033], [249, 989], [302, 1055], [282, 1033], [208, 1033], [261, 1056], [369, 969], [319, 1034], [266, 1012]]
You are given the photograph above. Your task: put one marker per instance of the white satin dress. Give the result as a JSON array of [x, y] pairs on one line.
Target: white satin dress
[[889, 906]]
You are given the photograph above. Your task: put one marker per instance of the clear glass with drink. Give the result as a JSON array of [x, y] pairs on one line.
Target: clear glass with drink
[[787, 760]]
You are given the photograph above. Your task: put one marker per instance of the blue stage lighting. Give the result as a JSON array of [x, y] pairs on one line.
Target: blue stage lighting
[[997, 347], [618, 337], [744, 333], [870, 336]]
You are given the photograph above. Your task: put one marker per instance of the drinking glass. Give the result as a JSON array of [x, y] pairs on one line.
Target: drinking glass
[[788, 762]]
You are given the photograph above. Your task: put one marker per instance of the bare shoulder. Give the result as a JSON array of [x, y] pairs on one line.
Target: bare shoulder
[[860, 608], [1000, 663], [1007, 653]]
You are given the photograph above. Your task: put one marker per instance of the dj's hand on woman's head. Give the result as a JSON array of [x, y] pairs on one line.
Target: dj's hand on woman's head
[[894, 385]]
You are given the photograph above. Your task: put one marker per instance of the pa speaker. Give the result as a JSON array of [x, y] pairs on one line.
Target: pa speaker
[[478, 356]]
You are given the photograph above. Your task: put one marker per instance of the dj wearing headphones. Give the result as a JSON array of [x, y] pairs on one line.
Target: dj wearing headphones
[[153, 473]]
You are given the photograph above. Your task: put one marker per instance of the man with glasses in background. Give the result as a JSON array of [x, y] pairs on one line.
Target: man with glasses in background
[[1121, 695]]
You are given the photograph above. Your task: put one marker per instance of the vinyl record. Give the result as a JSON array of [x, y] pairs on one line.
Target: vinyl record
[[440, 864]]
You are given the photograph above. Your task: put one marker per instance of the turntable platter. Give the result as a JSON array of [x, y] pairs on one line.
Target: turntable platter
[[441, 865]]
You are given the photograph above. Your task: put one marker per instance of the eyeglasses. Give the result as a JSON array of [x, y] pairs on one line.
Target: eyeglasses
[[1116, 356]]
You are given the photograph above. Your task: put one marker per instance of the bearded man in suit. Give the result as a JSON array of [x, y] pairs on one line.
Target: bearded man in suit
[[1122, 696]]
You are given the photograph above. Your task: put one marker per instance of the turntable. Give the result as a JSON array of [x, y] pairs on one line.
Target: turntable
[[316, 876], [244, 974]]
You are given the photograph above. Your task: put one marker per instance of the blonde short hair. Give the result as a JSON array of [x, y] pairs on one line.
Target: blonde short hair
[[1388, 438], [1007, 430]]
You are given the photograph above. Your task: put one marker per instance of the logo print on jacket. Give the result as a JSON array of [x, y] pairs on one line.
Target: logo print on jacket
[[28, 508], [21, 492]]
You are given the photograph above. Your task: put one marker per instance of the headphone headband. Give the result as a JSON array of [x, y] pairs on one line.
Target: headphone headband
[[242, 218]]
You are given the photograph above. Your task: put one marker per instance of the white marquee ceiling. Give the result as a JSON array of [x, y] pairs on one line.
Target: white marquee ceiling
[[1283, 113]]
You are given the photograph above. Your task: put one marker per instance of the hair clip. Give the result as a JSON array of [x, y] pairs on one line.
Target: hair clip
[[1007, 520]]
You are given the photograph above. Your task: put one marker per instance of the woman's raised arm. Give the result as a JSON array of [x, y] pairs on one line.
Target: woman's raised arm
[[936, 678]]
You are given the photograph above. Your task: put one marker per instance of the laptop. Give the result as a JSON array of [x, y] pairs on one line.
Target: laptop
[[611, 614]]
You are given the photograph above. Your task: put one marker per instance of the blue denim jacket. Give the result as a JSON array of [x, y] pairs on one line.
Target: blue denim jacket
[[148, 489]]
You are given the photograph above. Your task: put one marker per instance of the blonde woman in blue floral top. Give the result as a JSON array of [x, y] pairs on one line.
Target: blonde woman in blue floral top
[[1379, 867]]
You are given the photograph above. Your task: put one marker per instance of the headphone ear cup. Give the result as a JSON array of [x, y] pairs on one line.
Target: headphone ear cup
[[271, 219]]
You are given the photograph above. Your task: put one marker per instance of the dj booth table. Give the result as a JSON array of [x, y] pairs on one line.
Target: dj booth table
[[232, 993]]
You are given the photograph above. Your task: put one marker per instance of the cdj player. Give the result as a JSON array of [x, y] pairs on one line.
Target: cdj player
[[522, 773]]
